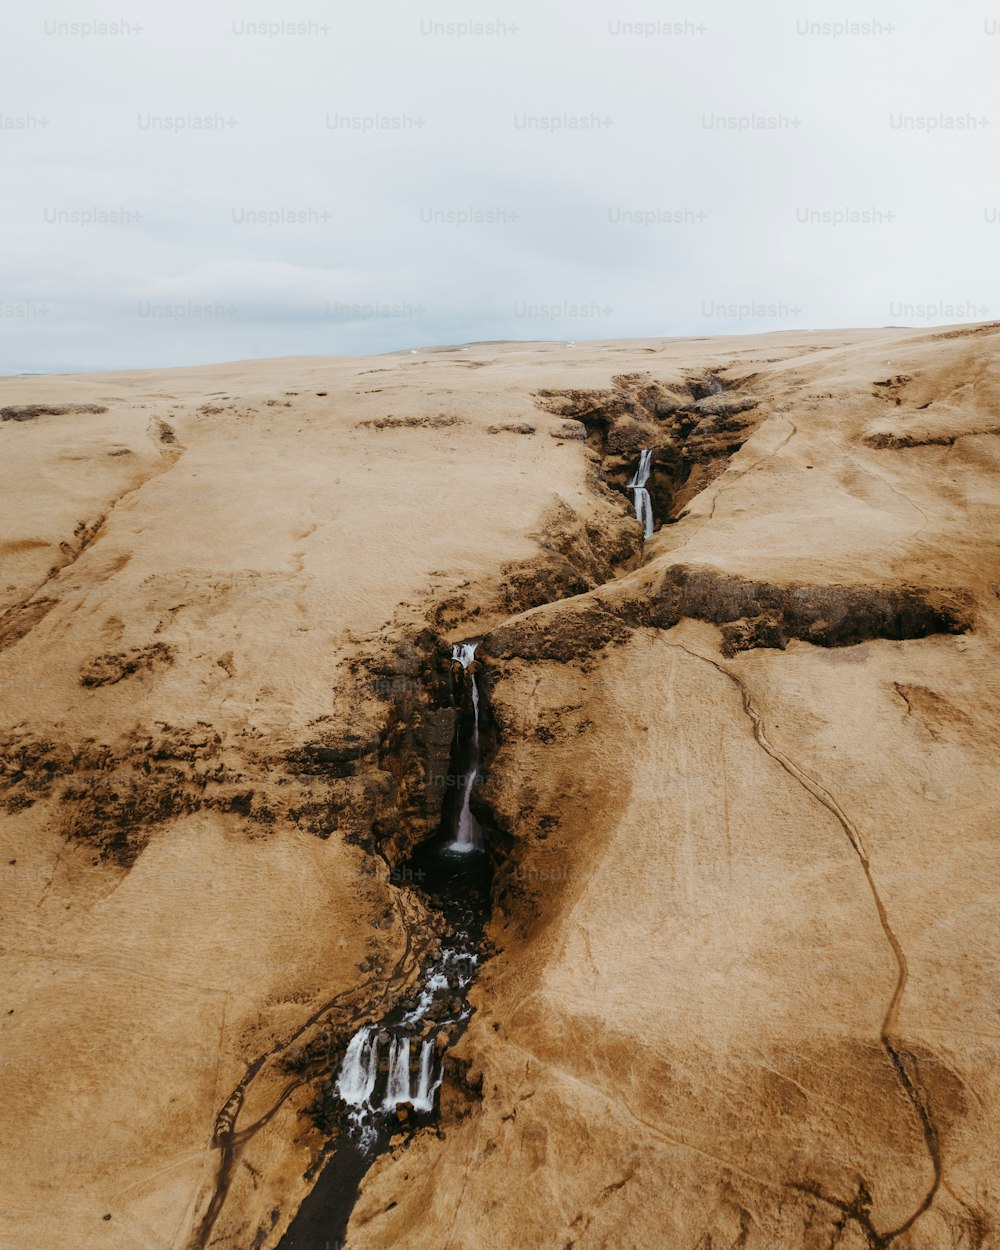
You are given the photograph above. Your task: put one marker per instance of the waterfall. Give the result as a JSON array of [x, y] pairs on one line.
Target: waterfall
[[398, 1086], [643, 503], [424, 1099], [469, 836], [377, 1098], [359, 1070], [448, 976], [464, 652]]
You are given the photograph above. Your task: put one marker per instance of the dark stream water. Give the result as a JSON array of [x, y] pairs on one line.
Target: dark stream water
[[389, 1078]]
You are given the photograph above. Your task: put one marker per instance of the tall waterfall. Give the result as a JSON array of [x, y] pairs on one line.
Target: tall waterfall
[[643, 503], [397, 1088], [423, 1100], [359, 1070], [469, 836]]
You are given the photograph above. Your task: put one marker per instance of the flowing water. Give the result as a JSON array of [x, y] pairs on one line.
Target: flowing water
[[469, 837], [642, 501], [359, 1071], [392, 1070]]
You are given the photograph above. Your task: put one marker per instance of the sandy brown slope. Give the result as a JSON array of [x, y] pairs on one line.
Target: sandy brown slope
[[745, 993]]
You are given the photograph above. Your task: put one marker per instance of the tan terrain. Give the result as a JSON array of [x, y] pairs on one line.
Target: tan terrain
[[742, 991]]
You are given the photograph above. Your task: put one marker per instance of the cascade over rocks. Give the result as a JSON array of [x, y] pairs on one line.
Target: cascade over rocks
[[690, 431]]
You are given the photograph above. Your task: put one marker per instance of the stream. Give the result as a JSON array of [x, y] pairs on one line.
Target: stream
[[390, 1075]]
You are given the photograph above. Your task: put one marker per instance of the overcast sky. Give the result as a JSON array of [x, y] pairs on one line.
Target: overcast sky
[[287, 181]]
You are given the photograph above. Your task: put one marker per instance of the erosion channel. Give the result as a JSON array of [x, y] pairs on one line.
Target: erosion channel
[[393, 1068]]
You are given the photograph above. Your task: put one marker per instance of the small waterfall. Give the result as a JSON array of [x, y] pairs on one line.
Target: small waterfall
[[398, 1086], [424, 1098], [469, 836], [464, 652], [435, 983], [643, 503], [359, 1070], [359, 1073]]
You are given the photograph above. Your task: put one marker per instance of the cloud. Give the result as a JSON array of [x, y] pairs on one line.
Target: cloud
[[198, 183]]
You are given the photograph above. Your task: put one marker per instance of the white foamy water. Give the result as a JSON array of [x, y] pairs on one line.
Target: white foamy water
[[469, 836], [438, 981], [359, 1070], [359, 1074], [397, 1088], [464, 652], [643, 503], [423, 1100]]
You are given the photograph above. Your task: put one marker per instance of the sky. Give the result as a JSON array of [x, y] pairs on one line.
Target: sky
[[194, 183]]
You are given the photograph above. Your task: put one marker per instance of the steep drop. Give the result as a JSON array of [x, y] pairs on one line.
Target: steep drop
[[392, 1070]]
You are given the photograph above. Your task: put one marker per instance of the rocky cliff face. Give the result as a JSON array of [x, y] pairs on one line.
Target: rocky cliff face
[[739, 803]]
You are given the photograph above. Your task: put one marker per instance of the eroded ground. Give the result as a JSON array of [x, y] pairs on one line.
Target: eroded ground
[[744, 993]]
